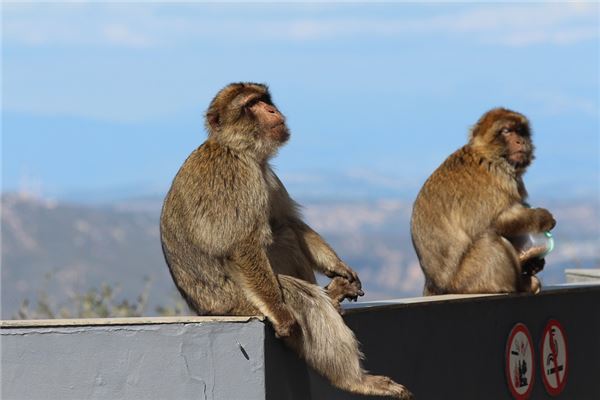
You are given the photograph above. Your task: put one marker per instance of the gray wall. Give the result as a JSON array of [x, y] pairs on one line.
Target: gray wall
[[165, 361]]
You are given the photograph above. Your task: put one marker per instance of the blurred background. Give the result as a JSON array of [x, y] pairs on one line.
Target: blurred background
[[102, 102]]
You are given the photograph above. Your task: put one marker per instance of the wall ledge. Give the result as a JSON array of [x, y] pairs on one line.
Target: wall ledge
[[37, 323]]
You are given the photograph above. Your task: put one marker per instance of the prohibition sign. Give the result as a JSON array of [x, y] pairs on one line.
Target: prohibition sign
[[554, 355], [520, 362]]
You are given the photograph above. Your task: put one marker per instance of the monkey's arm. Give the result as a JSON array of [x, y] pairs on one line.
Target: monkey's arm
[[323, 257], [320, 255], [253, 272], [519, 220]]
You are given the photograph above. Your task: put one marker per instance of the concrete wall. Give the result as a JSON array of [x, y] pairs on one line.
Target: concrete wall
[[583, 275], [446, 347], [211, 359]]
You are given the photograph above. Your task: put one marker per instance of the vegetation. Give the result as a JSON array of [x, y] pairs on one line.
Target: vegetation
[[103, 302]]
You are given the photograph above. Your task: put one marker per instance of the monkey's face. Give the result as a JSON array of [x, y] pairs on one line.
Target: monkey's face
[[244, 116], [501, 133], [518, 149], [269, 121]]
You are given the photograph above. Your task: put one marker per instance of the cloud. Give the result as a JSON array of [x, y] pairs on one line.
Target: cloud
[[148, 25], [510, 25], [556, 23], [79, 24], [122, 35], [378, 180], [552, 103]]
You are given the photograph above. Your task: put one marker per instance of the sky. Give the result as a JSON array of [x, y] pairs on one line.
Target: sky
[[104, 99]]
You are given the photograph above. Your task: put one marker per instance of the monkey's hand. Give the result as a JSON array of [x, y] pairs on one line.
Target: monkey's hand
[[284, 323], [341, 288], [545, 219], [342, 270], [533, 266]]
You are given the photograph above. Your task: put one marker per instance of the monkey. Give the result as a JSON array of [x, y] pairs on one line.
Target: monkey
[[235, 242], [469, 210]]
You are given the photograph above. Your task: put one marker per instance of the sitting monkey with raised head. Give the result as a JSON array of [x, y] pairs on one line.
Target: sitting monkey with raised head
[[469, 209], [236, 244]]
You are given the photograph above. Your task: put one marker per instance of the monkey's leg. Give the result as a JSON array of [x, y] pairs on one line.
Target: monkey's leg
[[429, 289], [328, 345], [489, 265], [210, 294], [288, 258], [286, 255], [254, 274]]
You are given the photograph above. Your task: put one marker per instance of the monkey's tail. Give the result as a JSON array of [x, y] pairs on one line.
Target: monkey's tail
[[328, 345]]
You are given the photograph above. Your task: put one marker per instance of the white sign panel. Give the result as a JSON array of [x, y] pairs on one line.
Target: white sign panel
[[520, 362], [554, 355]]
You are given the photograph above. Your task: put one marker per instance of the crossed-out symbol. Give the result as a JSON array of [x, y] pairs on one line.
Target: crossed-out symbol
[[554, 374]]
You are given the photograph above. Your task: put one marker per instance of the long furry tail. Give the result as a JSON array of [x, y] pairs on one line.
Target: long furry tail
[[328, 345]]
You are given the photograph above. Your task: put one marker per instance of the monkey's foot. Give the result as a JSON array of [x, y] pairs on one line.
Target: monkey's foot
[[383, 386], [286, 324], [341, 288], [533, 266], [530, 284], [536, 285]]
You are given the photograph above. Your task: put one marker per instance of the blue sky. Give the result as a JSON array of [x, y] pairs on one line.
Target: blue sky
[[109, 97]]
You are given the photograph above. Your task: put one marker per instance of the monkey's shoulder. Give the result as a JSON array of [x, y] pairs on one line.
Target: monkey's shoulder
[[459, 171], [217, 167], [478, 168], [466, 159], [219, 197], [501, 179], [466, 180], [216, 183]]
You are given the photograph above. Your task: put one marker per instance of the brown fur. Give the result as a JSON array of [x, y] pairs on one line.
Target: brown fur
[[472, 205], [236, 244]]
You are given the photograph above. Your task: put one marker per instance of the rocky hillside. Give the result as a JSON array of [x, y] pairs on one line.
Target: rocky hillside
[[63, 248]]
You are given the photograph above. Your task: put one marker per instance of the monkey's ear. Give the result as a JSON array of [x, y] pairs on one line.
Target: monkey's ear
[[213, 120], [471, 133]]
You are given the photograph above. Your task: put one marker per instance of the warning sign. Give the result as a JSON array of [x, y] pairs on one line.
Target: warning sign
[[520, 362], [554, 355]]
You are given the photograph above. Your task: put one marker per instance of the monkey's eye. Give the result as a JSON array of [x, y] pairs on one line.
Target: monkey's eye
[[505, 131], [251, 102]]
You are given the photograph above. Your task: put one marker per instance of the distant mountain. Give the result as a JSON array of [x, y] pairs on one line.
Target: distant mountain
[[82, 246]]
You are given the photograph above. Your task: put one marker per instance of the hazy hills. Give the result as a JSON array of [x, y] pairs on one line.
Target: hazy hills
[[82, 246]]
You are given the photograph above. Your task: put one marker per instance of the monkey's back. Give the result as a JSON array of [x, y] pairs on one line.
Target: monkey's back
[[204, 215], [457, 203]]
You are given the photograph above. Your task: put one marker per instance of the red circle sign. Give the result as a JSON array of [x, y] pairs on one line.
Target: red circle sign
[[520, 364], [554, 359]]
